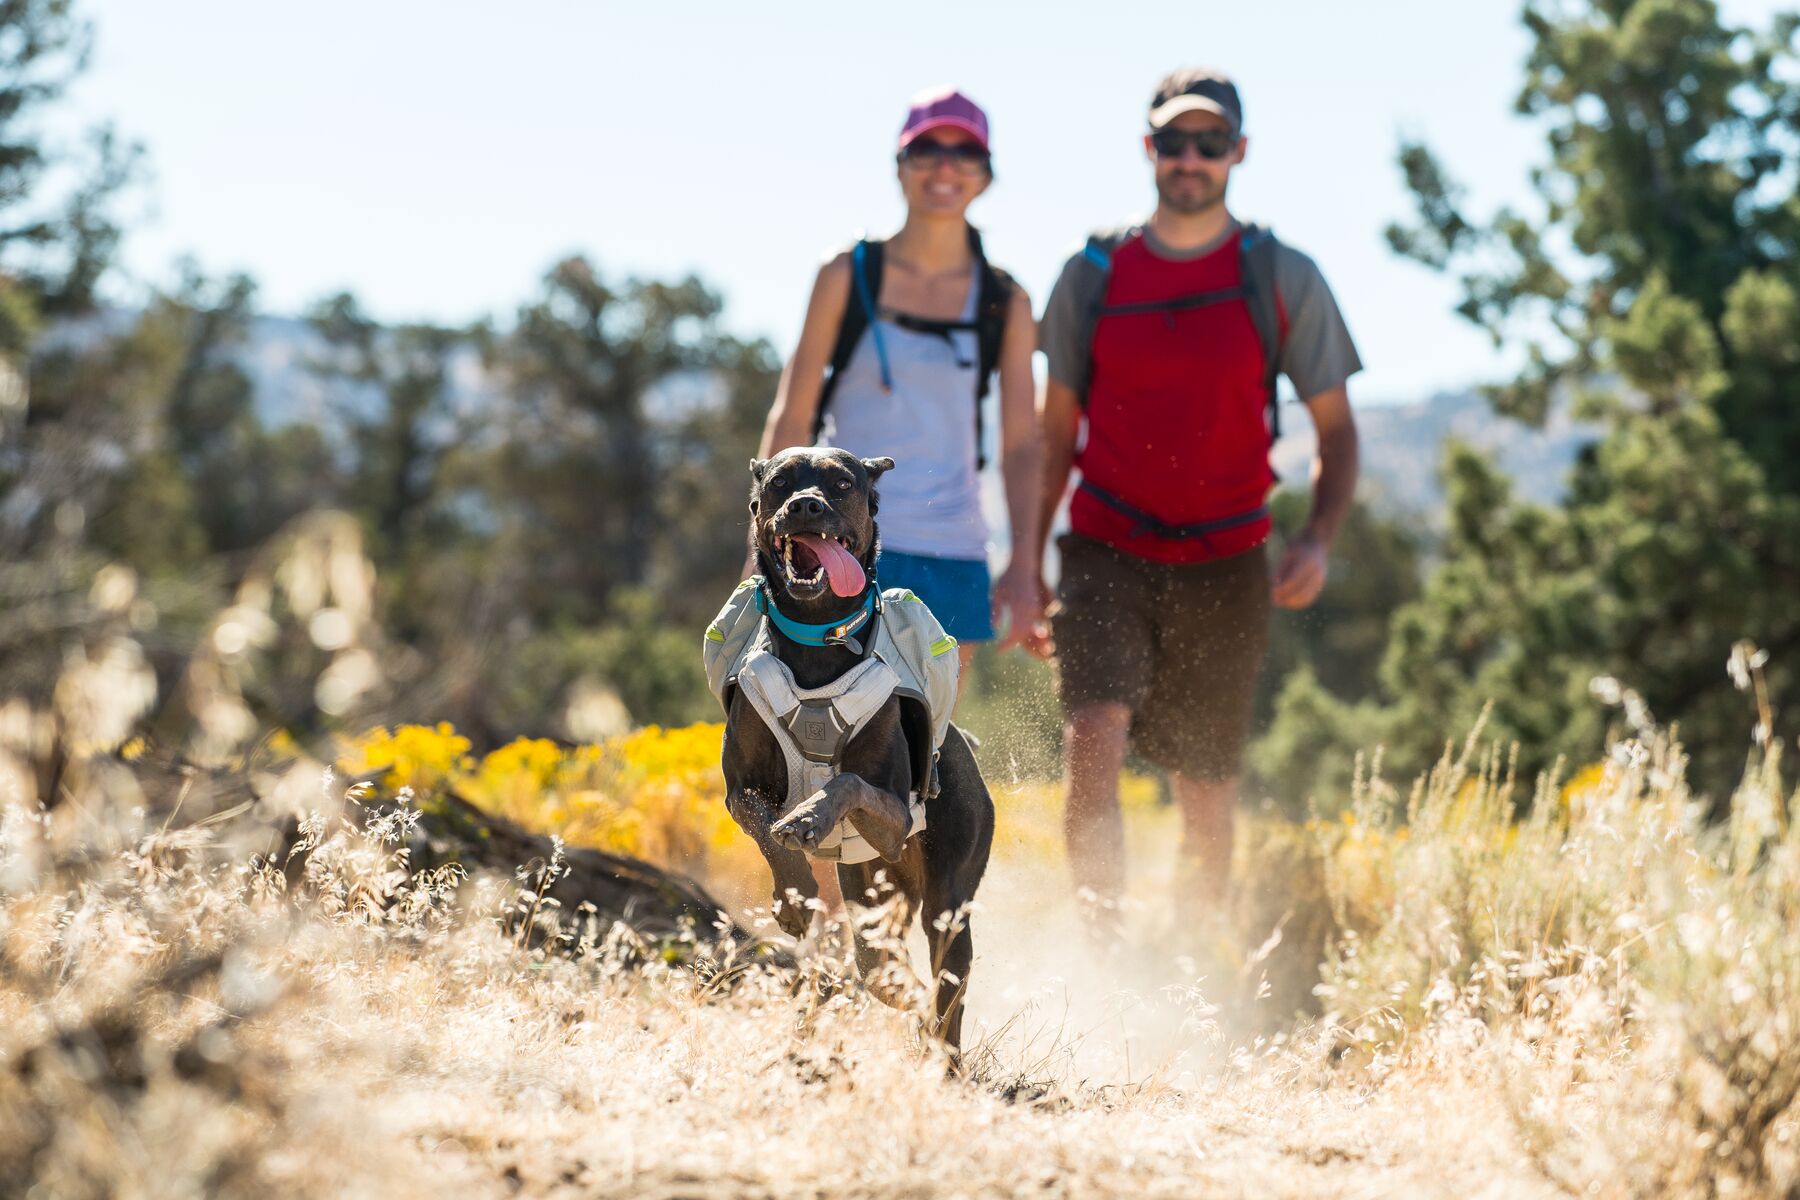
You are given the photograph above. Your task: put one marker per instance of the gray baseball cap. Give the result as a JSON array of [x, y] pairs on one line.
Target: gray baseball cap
[[1196, 89]]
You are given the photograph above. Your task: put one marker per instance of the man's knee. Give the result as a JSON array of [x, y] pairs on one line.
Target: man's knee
[[1095, 737], [1103, 721], [1204, 802]]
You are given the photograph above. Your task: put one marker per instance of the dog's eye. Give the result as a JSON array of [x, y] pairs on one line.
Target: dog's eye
[[778, 481], [843, 485]]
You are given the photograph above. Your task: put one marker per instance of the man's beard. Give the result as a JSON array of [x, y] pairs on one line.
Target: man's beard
[[1190, 201]]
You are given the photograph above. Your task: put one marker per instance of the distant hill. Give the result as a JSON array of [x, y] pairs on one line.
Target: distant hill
[[1402, 449]]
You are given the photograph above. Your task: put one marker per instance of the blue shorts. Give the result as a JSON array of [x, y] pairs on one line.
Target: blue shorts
[[954, 589]]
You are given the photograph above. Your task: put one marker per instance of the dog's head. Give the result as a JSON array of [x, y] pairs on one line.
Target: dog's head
[[812, 522]]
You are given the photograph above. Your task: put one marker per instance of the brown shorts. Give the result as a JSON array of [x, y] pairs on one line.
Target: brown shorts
[[1180, 645]]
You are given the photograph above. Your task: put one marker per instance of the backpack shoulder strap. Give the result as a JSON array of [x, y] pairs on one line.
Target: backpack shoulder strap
[[1098, 254], [859, 308], [1103, 242], [1257, 246], [993, 301]]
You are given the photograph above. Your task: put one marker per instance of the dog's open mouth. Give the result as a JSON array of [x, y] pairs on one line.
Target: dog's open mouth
[[813, 560]]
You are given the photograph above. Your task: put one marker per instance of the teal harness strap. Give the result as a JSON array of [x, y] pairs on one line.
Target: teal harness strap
[[829, 633]]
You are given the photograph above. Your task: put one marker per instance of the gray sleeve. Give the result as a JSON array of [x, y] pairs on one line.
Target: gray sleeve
[[1317, 353], [1064, 332]]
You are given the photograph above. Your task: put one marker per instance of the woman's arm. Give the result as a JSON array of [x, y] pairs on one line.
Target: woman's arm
[[790, 420], [1016, 594]]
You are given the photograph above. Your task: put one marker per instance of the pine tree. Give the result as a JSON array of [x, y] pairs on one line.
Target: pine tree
[[1658, 291]]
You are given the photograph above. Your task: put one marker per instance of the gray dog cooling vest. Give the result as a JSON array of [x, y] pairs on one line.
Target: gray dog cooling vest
[[910, 656]]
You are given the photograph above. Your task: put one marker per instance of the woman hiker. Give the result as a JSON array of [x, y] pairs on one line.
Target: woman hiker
[[900, 342]]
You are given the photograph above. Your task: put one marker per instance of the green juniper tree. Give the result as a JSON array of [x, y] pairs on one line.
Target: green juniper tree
[[1660, 291], [616, 481]]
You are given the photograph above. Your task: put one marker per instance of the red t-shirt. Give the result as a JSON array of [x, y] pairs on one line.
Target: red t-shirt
[[1177, 423]]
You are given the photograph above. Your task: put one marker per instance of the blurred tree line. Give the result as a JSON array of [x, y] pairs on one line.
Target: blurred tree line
[[561, 541], [565, 536]]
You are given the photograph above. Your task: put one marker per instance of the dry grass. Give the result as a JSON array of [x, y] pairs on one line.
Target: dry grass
[[1597, 997], [179, 1026]]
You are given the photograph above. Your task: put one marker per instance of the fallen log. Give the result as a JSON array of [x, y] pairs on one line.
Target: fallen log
[[661, 907], [655, 903]]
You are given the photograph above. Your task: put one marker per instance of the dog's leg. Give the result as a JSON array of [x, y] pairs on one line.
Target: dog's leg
[[883, 913], [792, 873], [879, 815], [946, 921]]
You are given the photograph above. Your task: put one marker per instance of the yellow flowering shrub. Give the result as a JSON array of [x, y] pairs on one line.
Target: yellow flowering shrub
[[424, 758], [655, 794], [1583, 788]]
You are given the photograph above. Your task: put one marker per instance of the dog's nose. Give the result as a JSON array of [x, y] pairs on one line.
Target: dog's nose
[[810, 506]]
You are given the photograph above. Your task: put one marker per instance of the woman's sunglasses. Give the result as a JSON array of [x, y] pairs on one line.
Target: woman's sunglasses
[[926, 153], [1208, 143]]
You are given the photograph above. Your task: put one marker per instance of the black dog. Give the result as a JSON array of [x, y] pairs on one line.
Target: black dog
[[800, 500]]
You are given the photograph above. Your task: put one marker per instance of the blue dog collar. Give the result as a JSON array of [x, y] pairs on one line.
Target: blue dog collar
[[830, 633]]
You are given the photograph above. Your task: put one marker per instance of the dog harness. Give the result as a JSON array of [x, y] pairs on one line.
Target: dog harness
[[910, 655]]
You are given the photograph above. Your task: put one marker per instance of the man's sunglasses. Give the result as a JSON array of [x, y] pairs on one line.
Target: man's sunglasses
[[1209, 143], [926, 153]]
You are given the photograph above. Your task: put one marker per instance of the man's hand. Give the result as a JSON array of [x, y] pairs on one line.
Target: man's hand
[[1301, 575], [1018, 604]]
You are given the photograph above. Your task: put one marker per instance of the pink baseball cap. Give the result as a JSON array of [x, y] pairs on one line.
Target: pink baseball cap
[[936, 108]]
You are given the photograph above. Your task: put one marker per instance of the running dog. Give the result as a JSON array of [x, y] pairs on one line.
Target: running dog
[[812, 514]]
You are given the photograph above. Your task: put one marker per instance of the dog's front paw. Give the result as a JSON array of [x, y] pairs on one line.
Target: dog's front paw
[[792, 914], [809, 824]]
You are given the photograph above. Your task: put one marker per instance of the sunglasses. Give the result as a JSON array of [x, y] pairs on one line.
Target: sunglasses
[[1208, 143], [926, 153]]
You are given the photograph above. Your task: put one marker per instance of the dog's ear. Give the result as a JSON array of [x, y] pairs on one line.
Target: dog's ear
[[876, 467], [756, 474]]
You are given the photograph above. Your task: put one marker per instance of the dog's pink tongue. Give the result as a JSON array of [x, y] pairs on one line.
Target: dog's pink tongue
[[842, 571]]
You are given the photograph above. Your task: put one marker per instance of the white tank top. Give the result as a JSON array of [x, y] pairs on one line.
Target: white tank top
[[931, 500]]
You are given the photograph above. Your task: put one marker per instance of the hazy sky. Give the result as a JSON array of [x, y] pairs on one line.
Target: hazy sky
[[435, 156]]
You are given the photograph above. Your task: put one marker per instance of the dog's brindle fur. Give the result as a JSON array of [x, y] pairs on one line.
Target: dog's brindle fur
[[832, 492]]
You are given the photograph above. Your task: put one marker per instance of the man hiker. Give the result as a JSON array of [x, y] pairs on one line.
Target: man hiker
[[1166, 338]]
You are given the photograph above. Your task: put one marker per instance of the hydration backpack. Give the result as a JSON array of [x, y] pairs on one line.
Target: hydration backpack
[[1257, 246], [1256, 288]]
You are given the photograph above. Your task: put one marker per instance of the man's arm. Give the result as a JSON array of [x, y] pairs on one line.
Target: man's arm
[[1016, 596], [1065, 334], [1059, 416], [1301, 575]]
